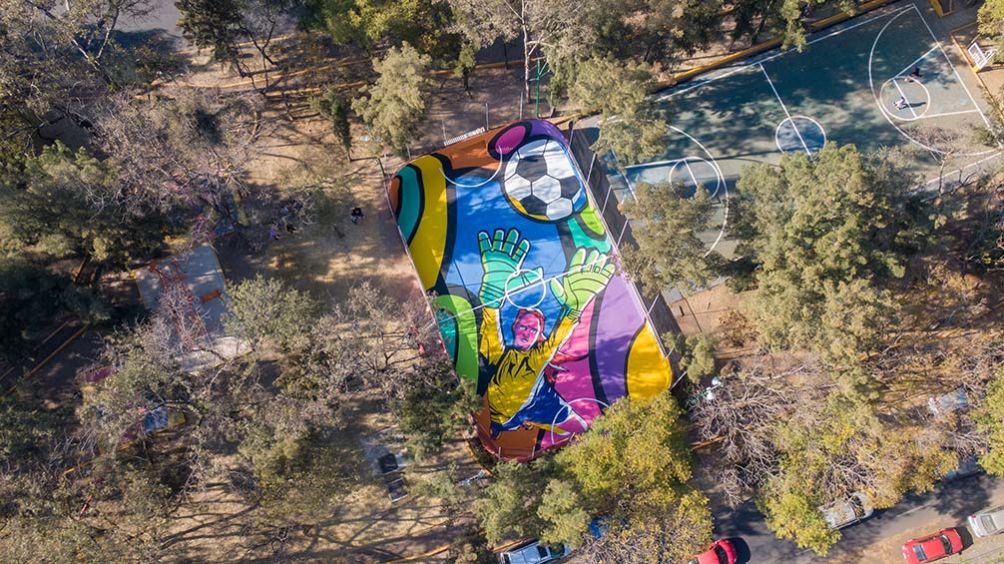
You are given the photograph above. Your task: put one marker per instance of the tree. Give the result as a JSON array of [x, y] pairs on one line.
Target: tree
[[630, 126], [742, 417], [538, 23], [752, 17], [86, 27], [826, 232], [434, 411], [268, 309], [30, 297], [54, 57], [697, 354], [793, 514], [55, 210], [667, 224], [989, 421], [465, 65], [220, 25], [507, 508], [425, 24], [395, 105], [173, 154], [630, 470], [335, 108], [991, 21], [840, 445]]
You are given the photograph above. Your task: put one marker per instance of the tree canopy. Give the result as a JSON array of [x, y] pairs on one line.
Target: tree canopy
[[394, 106], [825, 232]]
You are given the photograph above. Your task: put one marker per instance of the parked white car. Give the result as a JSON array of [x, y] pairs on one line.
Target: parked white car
[[986, 523], [533, 553], [846, 512]]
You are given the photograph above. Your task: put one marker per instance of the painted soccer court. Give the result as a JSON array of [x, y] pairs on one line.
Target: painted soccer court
[[842, 87]]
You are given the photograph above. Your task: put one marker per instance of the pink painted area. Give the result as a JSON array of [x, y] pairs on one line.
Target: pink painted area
[[509, 140]]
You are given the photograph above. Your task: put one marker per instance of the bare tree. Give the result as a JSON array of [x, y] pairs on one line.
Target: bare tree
[[755, 398], [541, 24], [182, 151]]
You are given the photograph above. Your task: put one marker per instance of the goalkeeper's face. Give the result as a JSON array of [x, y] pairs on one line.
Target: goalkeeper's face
[[526, 331]]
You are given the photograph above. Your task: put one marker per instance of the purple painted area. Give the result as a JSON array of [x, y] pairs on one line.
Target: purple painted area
[[620, 319], [541, 127]]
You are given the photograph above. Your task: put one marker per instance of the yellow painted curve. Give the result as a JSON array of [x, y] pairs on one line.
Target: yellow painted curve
[[648, 372], [429, 243]]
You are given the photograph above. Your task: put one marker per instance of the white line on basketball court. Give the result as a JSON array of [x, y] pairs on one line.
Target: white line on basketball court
[[905, 99], [721, 178], [693, 177], [885, 112], [786, 112], [758, 61], [917, 60], [964, 168], [954, 69]]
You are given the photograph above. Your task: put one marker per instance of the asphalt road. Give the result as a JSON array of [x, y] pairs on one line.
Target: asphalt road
[[948, 505]]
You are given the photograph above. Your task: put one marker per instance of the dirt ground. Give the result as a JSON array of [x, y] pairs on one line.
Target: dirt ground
[[327, 256]]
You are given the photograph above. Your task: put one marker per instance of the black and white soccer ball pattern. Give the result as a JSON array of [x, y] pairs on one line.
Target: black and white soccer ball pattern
[[540, 182]]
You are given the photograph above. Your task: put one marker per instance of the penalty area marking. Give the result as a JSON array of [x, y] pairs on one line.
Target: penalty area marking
[[881, 106]]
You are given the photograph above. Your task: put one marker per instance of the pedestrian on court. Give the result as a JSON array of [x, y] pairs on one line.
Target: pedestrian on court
[[914, 75], [901, 103], [357, 214]]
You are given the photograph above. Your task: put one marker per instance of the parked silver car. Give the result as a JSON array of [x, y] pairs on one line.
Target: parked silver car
[[986, 523], [848, 511], [956, 400]]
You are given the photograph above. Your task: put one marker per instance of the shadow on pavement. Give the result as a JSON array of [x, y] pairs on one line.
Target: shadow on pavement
[[961, 498], [743, 554], [967, 537]]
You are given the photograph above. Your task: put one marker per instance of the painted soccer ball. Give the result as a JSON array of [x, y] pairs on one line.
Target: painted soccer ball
[[540, 182]]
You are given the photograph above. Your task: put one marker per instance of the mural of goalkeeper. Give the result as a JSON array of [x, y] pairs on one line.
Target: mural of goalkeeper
[[519, 393]]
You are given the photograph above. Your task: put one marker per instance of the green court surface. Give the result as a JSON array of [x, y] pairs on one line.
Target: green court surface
[[841, 88]]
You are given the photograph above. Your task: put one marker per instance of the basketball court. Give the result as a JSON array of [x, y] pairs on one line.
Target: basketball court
[[843, 87]]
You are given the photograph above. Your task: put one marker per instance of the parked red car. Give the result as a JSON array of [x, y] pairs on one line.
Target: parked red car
[[932, 547], [721, 552]]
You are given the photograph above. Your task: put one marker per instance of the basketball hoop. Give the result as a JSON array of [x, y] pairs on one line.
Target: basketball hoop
[[980, 57]]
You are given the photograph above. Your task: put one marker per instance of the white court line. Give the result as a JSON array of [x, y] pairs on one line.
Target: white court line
[[758, 61], [918, 59], [954, 69], [907, 100], [973, 111], [721, 178], [964, 168], [785, 108], [693, 177]]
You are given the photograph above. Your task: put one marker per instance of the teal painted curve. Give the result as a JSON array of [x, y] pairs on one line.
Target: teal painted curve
[[460, 334], [410, 202]]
